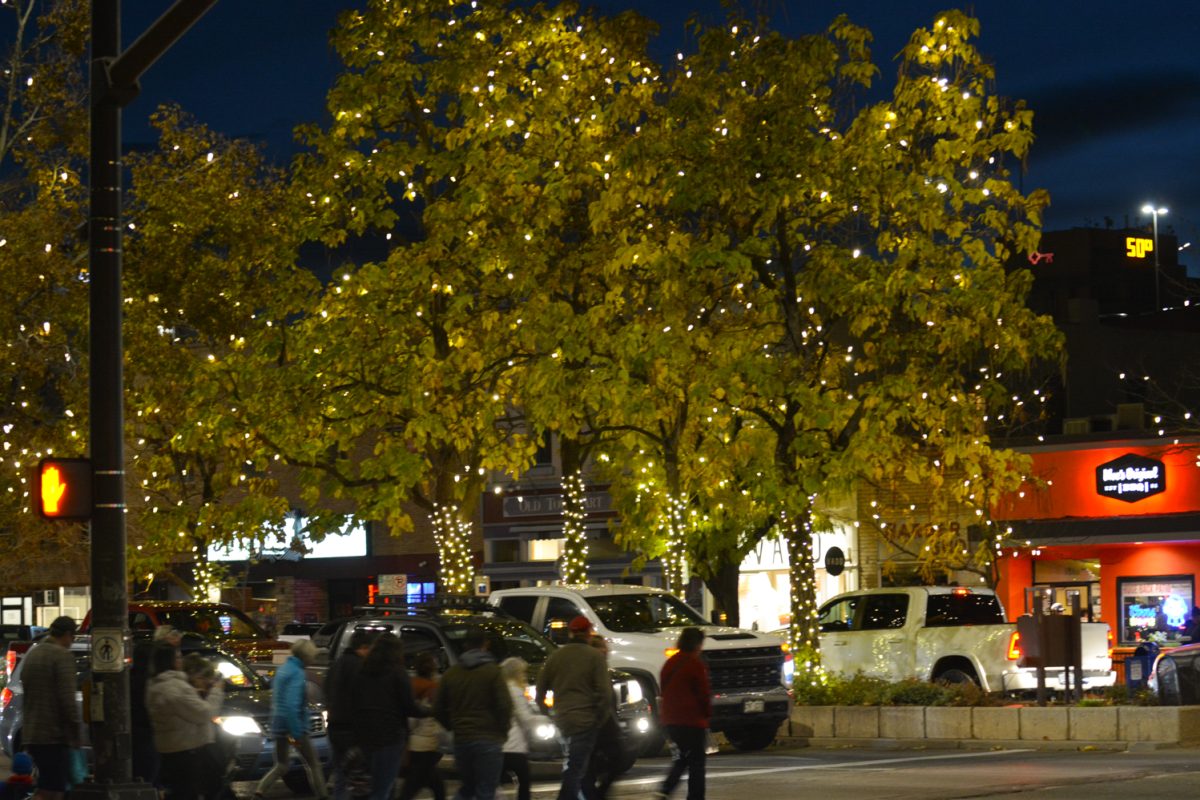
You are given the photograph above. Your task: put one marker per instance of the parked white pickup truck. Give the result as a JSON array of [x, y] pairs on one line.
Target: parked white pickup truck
[[943, 633]]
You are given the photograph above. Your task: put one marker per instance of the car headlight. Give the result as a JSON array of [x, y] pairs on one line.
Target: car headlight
[[240, 726], [633, 692], [642, 724], [546, 731]]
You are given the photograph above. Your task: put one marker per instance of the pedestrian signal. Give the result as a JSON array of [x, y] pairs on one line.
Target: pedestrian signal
[[63, 489]]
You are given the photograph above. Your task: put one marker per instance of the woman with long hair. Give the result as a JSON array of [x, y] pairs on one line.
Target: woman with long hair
[[383, 703]]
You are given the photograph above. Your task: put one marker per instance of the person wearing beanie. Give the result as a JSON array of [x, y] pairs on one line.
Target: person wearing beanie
[[20, 784]]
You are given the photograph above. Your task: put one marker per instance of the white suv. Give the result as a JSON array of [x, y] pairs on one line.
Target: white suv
[[642, 624]]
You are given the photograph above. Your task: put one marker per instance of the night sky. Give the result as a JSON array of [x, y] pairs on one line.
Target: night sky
[[1116, 92]]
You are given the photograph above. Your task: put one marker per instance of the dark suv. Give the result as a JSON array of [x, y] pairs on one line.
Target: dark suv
[[439, 627]]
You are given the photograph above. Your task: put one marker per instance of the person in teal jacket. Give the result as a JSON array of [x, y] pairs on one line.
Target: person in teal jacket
[[289, 721]]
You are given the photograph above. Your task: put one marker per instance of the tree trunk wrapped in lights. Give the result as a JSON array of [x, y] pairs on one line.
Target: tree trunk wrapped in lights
[[802, 631], [573, 564], [674, 559], [452, 535]]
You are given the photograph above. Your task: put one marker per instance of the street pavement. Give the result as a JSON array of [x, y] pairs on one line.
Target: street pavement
[[852, 773]]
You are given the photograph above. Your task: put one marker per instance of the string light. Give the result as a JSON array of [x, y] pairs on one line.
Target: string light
[[452, 537], [573, 566]]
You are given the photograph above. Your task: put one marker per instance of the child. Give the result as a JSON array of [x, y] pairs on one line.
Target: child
[[20, 784]]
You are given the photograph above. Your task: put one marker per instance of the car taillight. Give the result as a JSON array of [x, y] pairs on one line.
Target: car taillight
[[1014, 646], [10, 662], [961, 591], [1110, 644], [6, 697]]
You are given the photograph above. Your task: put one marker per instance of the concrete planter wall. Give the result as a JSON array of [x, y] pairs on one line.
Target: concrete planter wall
[[1020, 726]]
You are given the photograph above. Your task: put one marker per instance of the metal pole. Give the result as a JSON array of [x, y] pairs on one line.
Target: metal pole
[[1157, 300], [111, 739]]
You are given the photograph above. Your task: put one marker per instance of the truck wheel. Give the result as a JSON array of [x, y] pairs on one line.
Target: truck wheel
[[956, 676], [756, 737]]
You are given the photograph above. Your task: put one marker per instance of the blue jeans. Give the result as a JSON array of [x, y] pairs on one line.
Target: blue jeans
[[578, 753], [479, 765], [385, 766]]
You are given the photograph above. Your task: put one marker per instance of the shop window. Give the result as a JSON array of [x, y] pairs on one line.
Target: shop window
[[545, 549], [1155, 609], [506, 551], [420, 591]]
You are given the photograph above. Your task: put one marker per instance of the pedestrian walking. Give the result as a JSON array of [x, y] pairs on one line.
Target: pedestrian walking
[[473, 703], [182, 720], [145, 755], [685, 709], [214, 758], [51, 725], [383, 704], [339, 705], [521, 729], [577, 674], [608, 760], [424, 744], [289, 721]]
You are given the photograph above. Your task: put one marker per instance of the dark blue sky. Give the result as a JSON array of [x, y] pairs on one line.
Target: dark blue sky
[[1116, 92]]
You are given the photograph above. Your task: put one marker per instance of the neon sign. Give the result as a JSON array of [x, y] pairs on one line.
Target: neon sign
[[1137, 247], [1036, 258]]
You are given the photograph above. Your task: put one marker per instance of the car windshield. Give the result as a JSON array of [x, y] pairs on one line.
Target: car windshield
[[628, 613], [214, 623], [237, 673], [515, 639]]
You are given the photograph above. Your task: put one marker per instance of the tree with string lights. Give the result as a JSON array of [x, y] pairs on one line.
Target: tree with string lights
[[43, 152], [211, 251], [868, 247], [457, 142]]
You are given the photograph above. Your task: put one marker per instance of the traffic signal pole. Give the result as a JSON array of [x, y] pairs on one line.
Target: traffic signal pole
[[114, 84]]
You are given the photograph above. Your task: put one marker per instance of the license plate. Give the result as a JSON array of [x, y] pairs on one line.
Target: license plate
[[754, 706]]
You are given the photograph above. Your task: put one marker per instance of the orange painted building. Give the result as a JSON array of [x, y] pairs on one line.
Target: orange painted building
[[1119, 523]]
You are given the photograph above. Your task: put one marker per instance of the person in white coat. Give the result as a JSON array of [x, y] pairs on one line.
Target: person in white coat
[[524, 723], [182, 719]]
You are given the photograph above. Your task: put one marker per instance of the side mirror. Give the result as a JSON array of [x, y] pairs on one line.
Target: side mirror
[[556, 631]]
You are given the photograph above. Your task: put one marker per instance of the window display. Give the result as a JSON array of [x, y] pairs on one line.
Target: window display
[[1155, 609]]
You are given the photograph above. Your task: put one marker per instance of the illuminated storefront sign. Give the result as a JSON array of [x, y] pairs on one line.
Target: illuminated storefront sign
[[1131, 478], [1137, 247], [1108, 482]]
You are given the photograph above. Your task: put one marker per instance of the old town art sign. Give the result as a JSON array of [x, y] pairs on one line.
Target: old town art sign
[[1131, 478]]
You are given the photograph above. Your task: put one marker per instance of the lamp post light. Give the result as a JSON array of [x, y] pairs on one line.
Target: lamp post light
[[1154, 210]]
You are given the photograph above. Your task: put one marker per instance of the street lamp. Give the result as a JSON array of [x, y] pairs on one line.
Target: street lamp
[[1155, 211]]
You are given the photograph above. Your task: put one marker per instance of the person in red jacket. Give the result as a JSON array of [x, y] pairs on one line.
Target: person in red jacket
[[685, 708]]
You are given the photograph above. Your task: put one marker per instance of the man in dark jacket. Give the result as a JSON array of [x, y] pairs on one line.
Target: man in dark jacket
[[339, 704], [577, 674], [685, 710], [51, 726], [473, 703]]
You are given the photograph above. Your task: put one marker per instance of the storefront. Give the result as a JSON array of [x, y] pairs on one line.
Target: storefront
[[1119, 524], [764, 585]]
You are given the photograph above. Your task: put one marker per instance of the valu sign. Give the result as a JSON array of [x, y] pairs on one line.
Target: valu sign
[[1131, 478]]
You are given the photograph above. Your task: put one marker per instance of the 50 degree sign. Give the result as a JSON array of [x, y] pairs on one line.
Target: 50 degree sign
[[1137, 247]]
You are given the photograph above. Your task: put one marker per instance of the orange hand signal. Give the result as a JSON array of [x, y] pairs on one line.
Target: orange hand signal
[[53, 490]]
